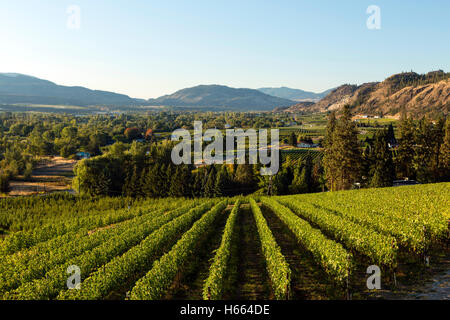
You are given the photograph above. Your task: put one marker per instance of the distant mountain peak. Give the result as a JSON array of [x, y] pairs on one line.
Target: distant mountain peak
[[222, 97], [293, 94]]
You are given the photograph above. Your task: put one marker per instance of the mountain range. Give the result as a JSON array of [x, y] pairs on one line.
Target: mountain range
[[295, 94], [19, 88], [417, 94], [216, 96], [22, 89]]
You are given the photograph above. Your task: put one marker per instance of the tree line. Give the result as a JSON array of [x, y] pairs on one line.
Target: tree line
[[421, 153]]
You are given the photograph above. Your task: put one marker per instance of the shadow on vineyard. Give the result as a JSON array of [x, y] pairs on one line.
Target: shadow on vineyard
[[416, 279]]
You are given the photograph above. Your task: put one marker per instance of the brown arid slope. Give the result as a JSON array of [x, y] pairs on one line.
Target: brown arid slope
[[296, 107], [416, 94]]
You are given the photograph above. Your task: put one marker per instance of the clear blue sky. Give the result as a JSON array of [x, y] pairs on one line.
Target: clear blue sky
[[149, 48]]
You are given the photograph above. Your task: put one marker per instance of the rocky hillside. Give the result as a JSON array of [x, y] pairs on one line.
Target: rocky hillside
[[416, 94], [301, 106]]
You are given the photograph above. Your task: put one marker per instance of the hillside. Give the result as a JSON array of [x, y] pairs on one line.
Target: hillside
[[301, 106], [216, 96], [416, 94], [294, 94], [19, 88]]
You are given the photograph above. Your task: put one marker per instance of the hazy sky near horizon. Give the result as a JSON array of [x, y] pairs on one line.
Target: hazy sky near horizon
[[149, 48]]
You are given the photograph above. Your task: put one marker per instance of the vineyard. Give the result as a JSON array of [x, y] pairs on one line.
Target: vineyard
[[311, 246], [299, 154]]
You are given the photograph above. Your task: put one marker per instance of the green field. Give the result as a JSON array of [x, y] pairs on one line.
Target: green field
[[313, 246]]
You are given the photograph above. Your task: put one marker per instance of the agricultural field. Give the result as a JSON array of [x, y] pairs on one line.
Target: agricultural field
[[312, 246], [294, 155], [51, 174]]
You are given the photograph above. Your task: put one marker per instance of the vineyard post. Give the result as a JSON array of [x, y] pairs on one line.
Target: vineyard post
[[425, 251], [269, 189], [288, 291], [448, 233], [347, 280], [395, 279], [347, 289], [394, 267], [209, 293]]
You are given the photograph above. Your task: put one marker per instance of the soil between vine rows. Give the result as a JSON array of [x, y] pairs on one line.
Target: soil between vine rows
[[308, 281], [189, 286], [253, 282]]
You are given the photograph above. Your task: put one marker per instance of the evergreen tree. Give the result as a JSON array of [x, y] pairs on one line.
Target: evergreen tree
[[131, 182], [330, 157], [405, 152], [222, 182], [438, 140], [382, 169], [298, 184], [197, 186], [280, 182], [145, 189], [176, 188], [302, 181], [244, 176], [342, 155], [424, 154], [293, 139], [166, 175], [390, 135], [367, 157], [318, 176], [209, 190], [152, 181], [331, 126], [444, 155], [4, 183]]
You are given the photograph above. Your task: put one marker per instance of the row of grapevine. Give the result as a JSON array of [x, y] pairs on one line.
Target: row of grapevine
[[277, 267], [26, 239], [299, 154], [408, 234], [54, 280], [155, 283], [426, 206], [26, 213], [213, 287], [330, 255], [34, 264], [381, 249], [58, 242], [138, 259]]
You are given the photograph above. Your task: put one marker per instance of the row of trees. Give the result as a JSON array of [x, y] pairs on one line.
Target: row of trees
[[422, 153], [140, 171], [134, 173]]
